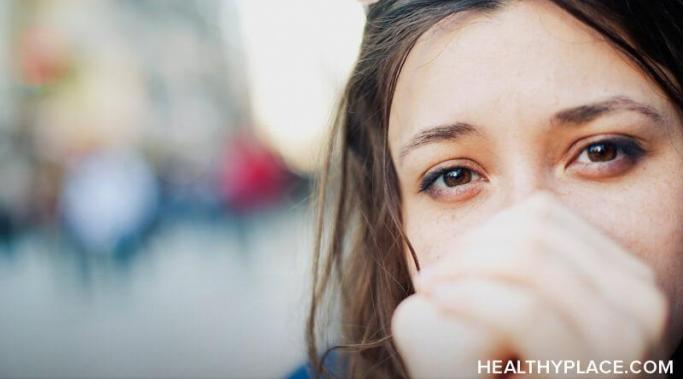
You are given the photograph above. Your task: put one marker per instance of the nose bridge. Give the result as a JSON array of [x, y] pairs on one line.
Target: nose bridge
[[522, 150], [525, 174]]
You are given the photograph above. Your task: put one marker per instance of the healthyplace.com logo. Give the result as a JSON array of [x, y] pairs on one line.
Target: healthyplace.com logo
[[573, 367]]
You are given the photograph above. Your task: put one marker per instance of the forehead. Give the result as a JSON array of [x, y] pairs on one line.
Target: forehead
[[520, 63]]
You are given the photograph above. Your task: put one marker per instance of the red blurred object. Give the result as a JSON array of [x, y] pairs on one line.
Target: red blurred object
[[251, 176], [43, 56]]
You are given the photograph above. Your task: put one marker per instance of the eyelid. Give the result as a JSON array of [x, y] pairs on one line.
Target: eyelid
[[431, 176], [622, 142], [454, 163]]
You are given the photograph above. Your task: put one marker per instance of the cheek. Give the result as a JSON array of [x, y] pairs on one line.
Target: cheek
[[647, 220], [432, 229], [429, 232], [421, 230]]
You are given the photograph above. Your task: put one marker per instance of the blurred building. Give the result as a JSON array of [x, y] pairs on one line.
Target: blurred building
[[155, 162]]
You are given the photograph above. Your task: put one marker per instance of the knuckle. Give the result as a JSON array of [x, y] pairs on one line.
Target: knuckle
[[542, 205], [407, 311], [530, 309], [531, 243], [649, 273], [631, 342], [615, 337], [659, 310]]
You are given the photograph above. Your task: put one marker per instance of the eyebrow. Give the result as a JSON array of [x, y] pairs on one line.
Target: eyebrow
[[584, 114], [438, 134], [579, 115]]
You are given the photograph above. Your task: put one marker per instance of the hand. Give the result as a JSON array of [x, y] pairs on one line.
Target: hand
[[535, 282]]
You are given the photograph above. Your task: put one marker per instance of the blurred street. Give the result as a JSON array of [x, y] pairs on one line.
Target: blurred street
[[192, 305], [156, 168]]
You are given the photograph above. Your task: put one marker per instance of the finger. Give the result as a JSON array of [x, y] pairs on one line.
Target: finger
[[434, 345], [529, 327], [630, 291], [595, 303], [558, 217], [520, 253], [541, 214]]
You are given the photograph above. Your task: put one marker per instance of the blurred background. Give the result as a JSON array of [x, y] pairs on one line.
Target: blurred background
[[156, 159]]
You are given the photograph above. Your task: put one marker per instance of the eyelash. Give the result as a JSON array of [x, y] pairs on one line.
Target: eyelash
[[631, 149], [626, 148], [431, 178]]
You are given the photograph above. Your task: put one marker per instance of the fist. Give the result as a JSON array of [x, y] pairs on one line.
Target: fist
[[535, 282]]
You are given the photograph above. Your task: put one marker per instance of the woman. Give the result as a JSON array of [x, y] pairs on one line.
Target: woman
[[505, 183]]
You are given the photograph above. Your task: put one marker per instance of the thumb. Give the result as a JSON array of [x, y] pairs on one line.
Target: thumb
[[436, 345]]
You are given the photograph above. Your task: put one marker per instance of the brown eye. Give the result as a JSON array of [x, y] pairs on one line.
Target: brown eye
[[601, 152], [457, 177], [454, 179]]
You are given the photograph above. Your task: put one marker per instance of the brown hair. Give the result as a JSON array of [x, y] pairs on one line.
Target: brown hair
[[360, 268]]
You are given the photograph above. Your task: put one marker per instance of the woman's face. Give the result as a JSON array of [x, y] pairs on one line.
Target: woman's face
[[490, 108]]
